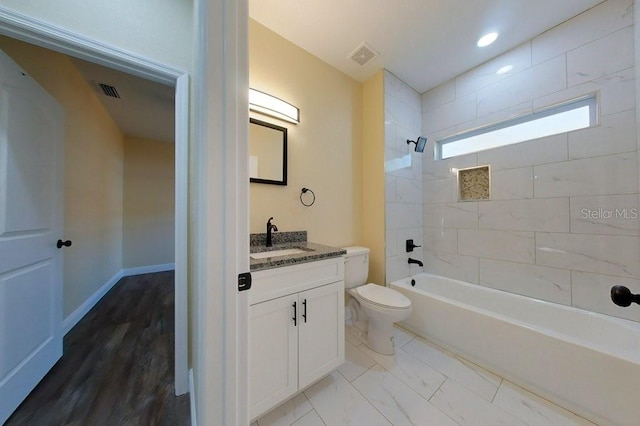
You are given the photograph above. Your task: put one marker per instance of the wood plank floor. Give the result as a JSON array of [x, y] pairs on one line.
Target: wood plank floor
[[117, 367]]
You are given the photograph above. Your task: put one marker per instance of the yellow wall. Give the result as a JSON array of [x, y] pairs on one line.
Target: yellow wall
[[373, 223], [92, 173], [148, 222], [324, 149]]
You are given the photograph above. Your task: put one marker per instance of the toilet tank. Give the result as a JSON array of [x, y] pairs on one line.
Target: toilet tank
[[356, 266]]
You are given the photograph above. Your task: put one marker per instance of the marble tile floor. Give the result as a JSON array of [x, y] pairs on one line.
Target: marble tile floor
[[422, 384]]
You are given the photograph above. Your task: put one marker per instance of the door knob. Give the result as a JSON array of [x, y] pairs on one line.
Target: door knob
[[61, 243]]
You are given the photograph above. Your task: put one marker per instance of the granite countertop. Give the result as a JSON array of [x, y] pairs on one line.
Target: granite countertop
[[289, 240]]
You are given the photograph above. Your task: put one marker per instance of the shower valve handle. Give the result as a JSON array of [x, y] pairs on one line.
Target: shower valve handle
[[622, 296], [410, 246]]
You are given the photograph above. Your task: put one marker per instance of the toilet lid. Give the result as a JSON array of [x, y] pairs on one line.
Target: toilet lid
[[384, 296]]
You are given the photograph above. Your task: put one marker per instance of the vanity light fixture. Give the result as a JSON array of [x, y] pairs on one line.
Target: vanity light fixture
[[487, 39], [270, 105]]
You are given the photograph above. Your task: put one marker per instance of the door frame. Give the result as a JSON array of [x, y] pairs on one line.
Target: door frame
[[36, 32]]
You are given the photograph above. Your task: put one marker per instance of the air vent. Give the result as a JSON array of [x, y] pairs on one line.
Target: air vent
[[363, 54], [108, 90]]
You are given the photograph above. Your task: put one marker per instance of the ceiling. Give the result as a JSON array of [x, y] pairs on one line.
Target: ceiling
[[145, 108], [422, 42]]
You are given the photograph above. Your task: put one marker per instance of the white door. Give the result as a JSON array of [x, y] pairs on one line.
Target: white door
[[321, 334], [31, 144], [273, 353]]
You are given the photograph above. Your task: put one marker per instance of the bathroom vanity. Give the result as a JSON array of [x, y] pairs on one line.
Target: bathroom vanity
[[296, 320]]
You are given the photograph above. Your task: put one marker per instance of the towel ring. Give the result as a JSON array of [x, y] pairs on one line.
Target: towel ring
[[304, 191]]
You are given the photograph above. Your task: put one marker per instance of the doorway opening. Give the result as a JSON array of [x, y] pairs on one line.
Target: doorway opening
[[18, 27]]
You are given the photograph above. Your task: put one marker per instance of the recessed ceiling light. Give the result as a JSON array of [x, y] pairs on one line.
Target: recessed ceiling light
[[487, 39], [504, 70]]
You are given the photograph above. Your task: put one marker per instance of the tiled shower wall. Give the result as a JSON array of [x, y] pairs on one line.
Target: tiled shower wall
[[562, 223], [403, 177]]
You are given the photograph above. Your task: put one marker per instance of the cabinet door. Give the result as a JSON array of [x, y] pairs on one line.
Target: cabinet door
[[321, 333], [273, 353]]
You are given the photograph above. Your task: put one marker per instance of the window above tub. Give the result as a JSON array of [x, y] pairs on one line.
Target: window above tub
[[572, 115]]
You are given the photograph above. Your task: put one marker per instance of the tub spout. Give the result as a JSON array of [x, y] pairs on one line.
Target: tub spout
[[417, 262]]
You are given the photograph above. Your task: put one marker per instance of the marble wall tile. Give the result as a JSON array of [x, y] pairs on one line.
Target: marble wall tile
[[401, 113], [616, 93], [601, 57], [398, 267], [451, 215], [458, 267], [400, 90], [539, 151], [450, 114], [540, 282], [512, 184], [409, 191], [615, 134], [391, 246], [477, 78], [611, 174], [505, 114], [440, 190], [441, 239], [438, 96], [604, 254], [466, 408], [542, 214], [515, 246], [606, 214], [592, 292], [403, 215], [542, 79], [390, 189], [396, 401], [597, 22], [442, 169]]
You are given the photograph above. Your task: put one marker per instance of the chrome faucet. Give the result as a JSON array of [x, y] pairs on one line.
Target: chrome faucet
[[417, 262], [270, 227]]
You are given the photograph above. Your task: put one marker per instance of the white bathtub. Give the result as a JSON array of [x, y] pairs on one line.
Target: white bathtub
[[584, 361]]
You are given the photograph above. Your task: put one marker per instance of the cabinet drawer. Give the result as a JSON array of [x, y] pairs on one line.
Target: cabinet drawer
[[278, 282]]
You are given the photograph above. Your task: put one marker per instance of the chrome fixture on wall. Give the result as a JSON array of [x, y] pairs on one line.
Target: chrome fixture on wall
[[420, 144], [269, 105]]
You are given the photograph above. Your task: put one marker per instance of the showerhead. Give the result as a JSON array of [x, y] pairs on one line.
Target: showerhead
[[420, 144]]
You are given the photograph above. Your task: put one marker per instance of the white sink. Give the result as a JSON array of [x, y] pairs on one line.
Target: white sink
[[276, 253]]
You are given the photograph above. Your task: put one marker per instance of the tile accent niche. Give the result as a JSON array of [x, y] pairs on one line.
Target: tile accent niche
[[474, 184]]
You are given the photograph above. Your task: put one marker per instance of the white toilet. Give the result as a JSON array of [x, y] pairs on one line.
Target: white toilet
[[375, 307]]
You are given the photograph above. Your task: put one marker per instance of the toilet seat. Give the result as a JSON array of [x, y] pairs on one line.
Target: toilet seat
[[383, 296]]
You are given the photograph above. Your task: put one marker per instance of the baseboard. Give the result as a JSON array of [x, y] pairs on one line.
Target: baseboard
[[69, 322], [148, 269], [192, 399]]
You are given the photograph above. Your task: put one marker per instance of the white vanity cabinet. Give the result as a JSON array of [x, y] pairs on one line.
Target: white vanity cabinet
[[296, 330]]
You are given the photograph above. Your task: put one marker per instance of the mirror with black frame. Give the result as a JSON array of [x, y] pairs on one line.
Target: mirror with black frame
[[267, 153]]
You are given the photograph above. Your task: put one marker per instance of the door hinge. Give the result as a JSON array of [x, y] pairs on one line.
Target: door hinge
[[244, 281]]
